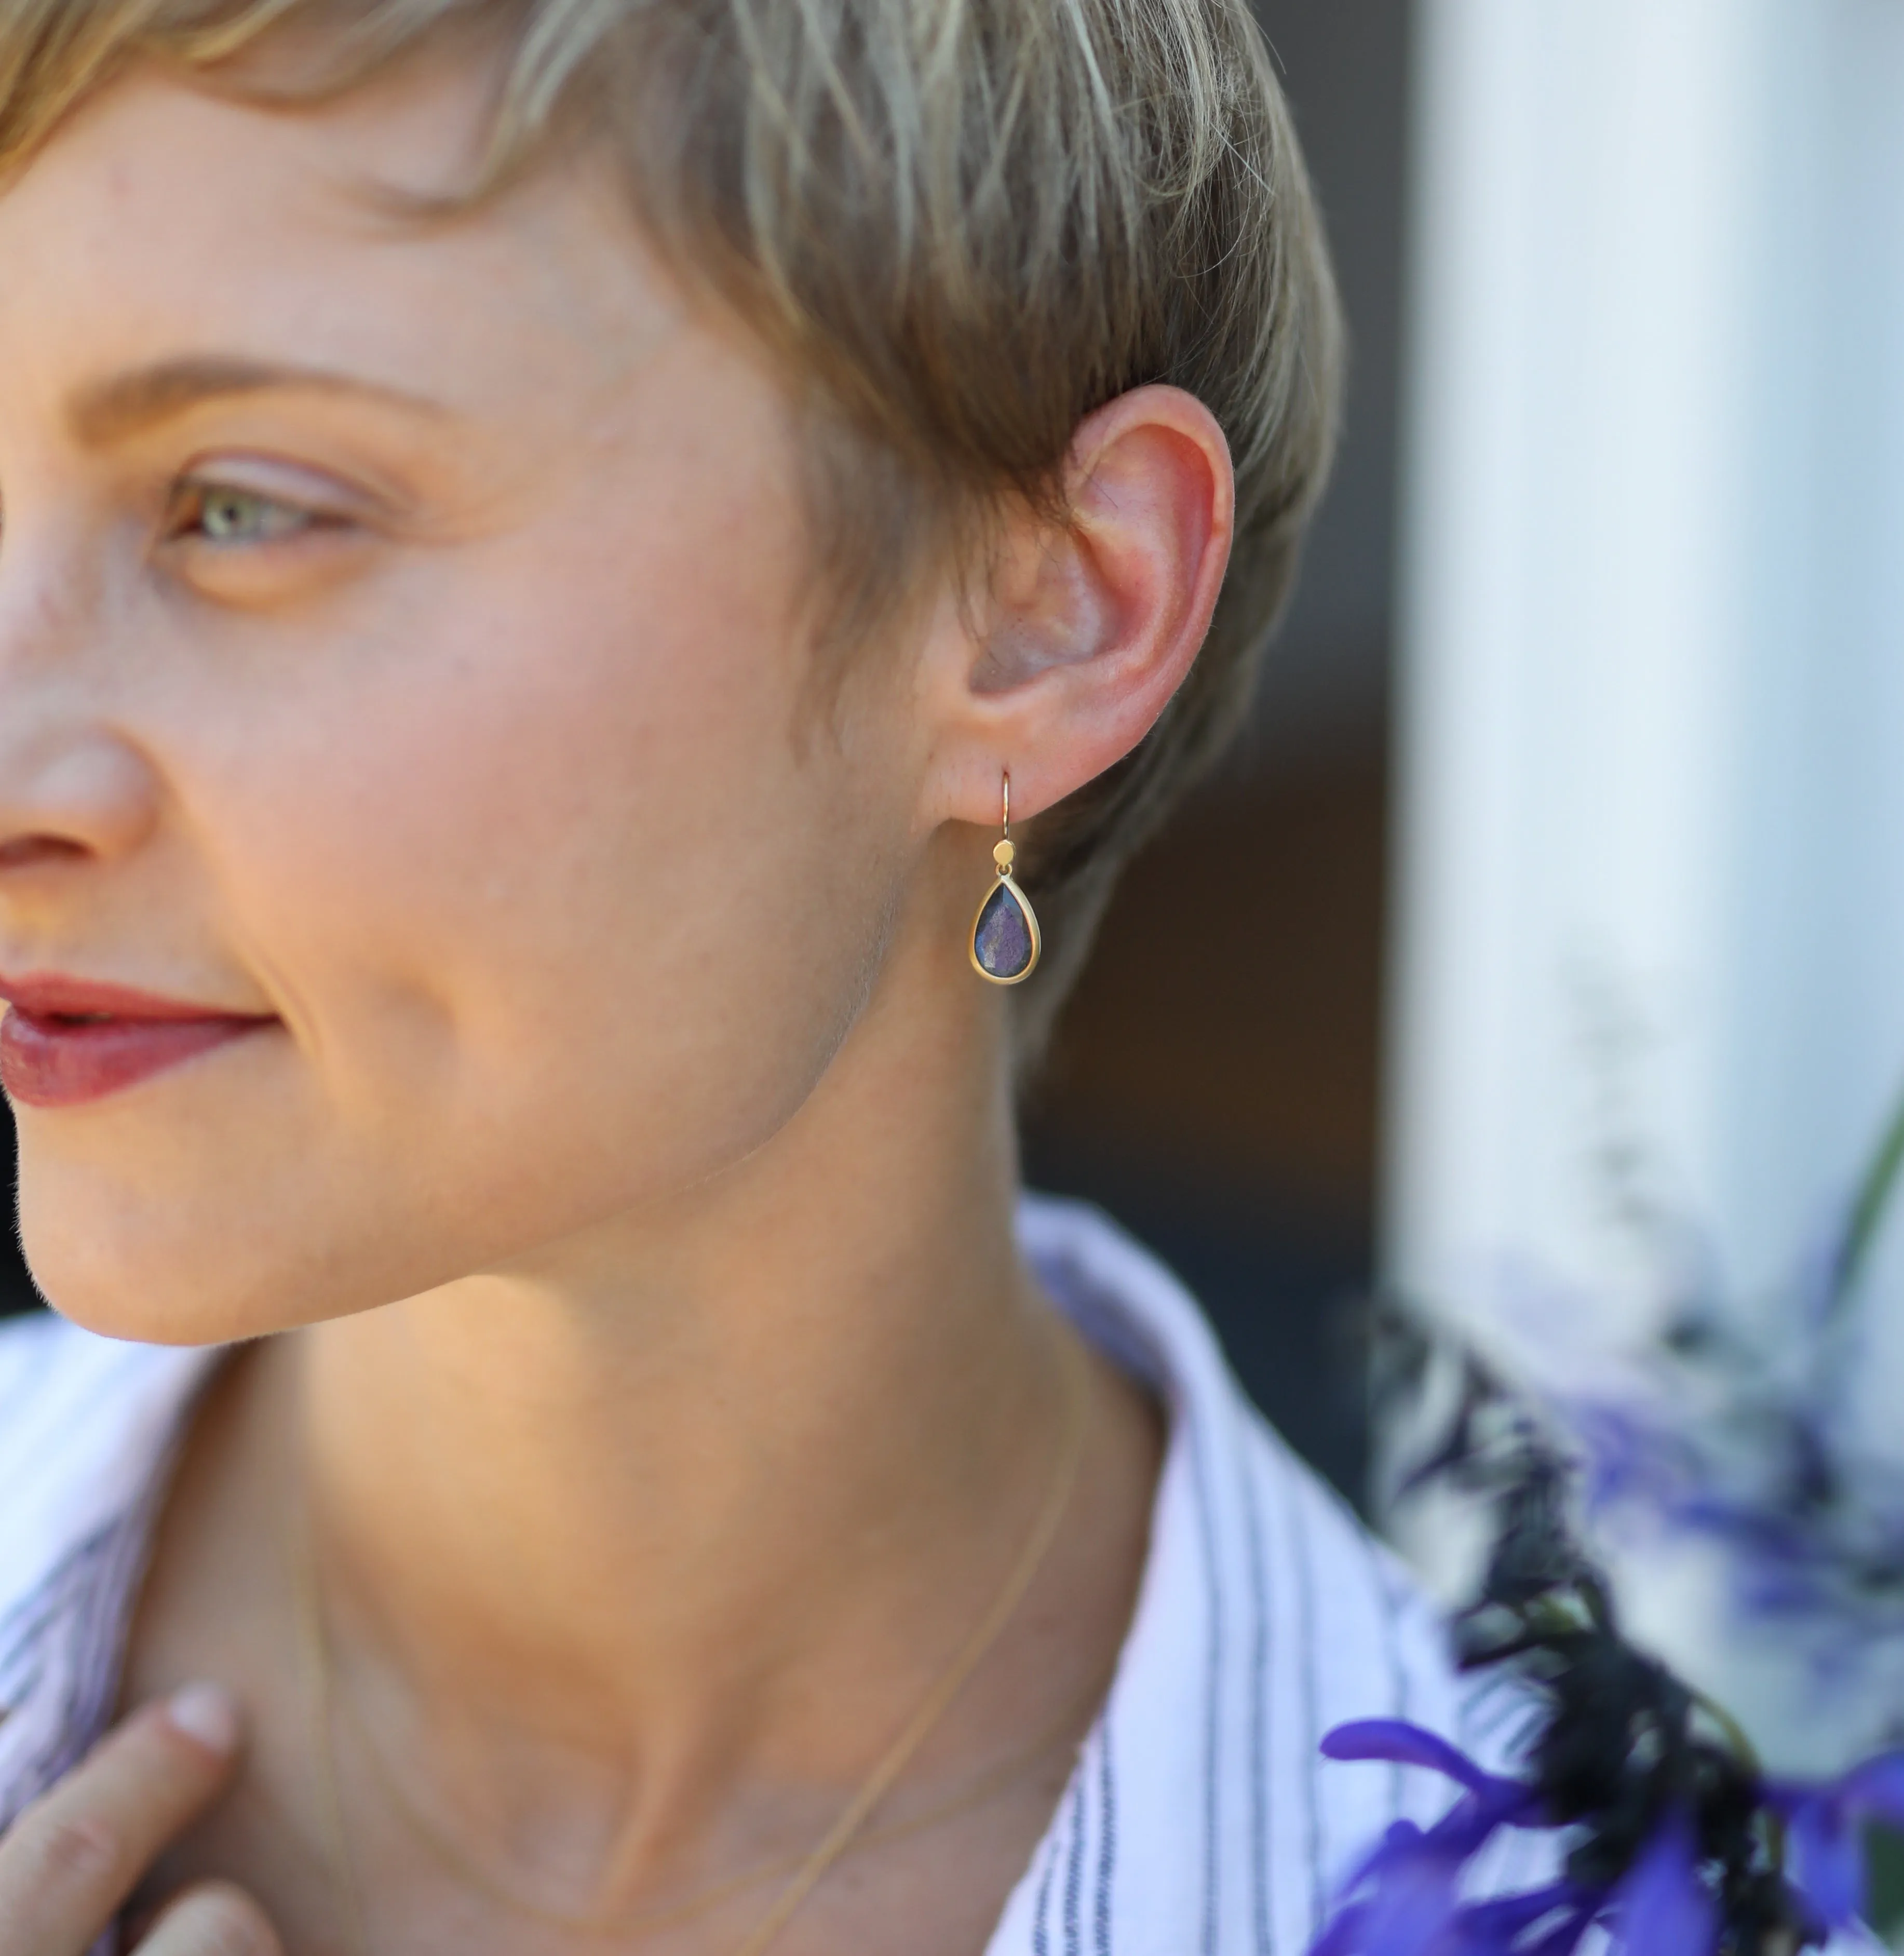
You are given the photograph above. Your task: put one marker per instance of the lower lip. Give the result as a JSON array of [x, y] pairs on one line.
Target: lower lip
[[56, 1062]]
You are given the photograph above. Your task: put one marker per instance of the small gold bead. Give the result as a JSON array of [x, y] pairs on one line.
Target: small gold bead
[[1005, 854]]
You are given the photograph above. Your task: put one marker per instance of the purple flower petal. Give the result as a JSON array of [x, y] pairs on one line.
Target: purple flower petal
[[1827, 1845], [1661, 1908], [1412, 1905], [1564, 1938], [1416, 1916], [1407, 1894], [1504, 1918], [1828, 1858], [1344, 1935], [1401, 1837], [1876, 1787], [1397, 1743], [1472, 1821]]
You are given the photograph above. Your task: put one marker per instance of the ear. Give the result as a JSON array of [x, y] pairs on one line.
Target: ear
[[1085, 629]]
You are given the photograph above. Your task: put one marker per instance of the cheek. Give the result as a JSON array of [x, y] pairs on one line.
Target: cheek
[[578, 872], [585, 855], [566, 907]]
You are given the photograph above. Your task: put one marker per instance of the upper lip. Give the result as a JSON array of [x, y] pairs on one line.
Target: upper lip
[[51, 995]]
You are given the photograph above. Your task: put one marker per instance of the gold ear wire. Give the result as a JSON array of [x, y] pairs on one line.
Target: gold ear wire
[[1005, 941]]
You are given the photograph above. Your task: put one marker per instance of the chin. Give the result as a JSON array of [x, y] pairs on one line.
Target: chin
[[142, 1299], [128, 1262]]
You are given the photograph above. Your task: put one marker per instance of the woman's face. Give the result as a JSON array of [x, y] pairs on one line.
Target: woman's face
[[399, 654]]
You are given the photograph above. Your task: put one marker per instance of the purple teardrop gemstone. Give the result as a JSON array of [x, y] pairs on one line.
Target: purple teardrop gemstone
[[1003, 939]]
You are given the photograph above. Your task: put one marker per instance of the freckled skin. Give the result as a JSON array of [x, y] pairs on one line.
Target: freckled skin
[[628, 1160], [432, 775]]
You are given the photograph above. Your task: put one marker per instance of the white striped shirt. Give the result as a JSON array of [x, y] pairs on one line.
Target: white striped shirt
[[1200, 1819]]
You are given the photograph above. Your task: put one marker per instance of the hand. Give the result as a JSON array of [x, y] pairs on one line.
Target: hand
[[70, 1860]]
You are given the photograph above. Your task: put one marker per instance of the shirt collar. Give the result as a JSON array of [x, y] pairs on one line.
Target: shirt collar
[[88, 1428], [1195, 1823], [1201, 1820]]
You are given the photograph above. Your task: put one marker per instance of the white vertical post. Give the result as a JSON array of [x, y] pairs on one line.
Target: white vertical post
[[1651, 906]]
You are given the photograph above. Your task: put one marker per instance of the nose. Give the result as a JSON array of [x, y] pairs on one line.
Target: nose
[[68, 795], [74, 787]]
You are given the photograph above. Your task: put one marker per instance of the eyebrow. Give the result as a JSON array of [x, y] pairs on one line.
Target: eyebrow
[[129, 404]]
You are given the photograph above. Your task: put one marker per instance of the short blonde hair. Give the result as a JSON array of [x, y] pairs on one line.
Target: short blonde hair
[[963, 225]]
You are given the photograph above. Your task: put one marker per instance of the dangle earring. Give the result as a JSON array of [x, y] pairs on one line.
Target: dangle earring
[[1005, 942]]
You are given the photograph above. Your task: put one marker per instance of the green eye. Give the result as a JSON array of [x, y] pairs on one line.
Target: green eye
[[223, 515]]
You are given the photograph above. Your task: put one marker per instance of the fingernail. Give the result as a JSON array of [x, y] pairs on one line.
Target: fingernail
[[207, 1714]]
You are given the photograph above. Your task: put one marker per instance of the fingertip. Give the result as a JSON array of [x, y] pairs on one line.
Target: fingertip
[[208, 1715], [216, 1920]]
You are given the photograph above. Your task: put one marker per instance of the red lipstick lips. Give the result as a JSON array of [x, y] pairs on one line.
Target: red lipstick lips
[[65, 1041]]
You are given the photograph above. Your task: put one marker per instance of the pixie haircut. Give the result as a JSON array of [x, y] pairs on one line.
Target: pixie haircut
[[960, 226]]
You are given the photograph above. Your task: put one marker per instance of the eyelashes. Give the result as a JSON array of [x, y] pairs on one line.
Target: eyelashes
[[261, 544], [226, 515]]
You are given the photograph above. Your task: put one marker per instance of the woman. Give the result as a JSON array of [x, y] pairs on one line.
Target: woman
[[546, 545]]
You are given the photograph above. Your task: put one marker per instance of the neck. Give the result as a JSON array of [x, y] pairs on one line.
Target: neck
[[691, 1492]]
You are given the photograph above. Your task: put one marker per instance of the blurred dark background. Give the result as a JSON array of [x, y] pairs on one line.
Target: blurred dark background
[[1216, 1083], [16, 1289]]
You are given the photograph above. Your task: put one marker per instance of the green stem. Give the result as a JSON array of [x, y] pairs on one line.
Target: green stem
[[1867, 1213], [1746, 1753]]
